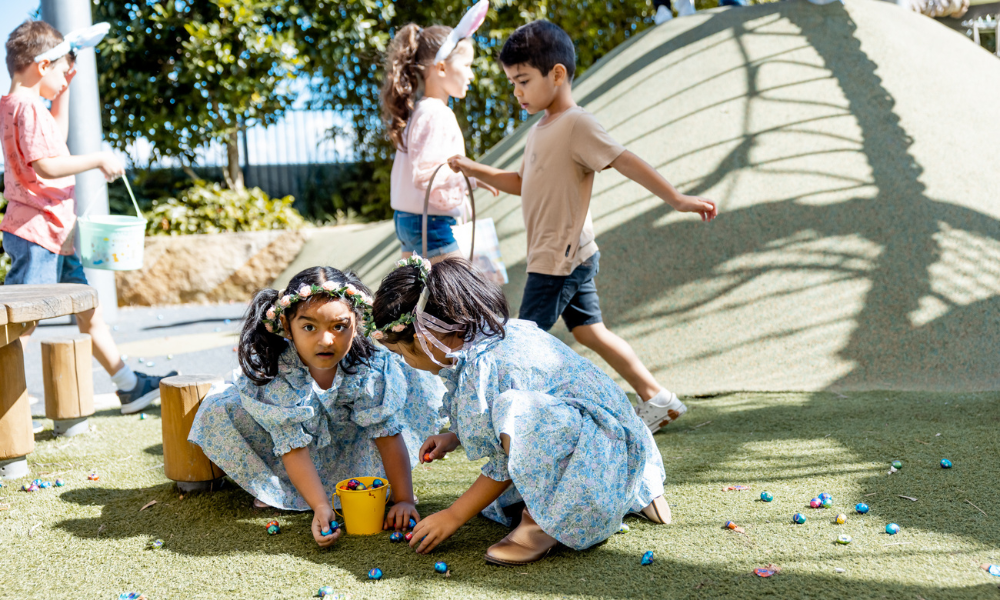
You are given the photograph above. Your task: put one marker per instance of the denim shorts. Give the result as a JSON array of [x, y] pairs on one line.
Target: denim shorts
[[34, 265], [440, 239], [572, 296]]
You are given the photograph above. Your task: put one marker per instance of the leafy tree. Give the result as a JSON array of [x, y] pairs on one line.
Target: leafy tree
[[347, 67], [182, 73]]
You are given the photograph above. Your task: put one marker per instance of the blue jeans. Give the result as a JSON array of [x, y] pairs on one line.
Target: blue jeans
[[440, 239], [34, 265]]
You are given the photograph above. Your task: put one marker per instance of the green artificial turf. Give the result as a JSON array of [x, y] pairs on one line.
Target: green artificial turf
[[89, 539]]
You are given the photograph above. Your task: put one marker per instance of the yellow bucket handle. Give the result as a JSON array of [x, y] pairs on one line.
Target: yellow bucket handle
[[388, 488]]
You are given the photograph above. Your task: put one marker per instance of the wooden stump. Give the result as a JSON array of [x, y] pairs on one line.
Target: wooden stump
[[16, 437], [69, 382], [183, 461]]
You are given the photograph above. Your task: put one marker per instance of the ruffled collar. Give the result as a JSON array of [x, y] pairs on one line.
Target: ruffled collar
[[297, 375], [475, 348]]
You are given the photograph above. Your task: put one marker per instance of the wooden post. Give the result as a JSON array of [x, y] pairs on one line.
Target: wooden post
[[16, 437], [69, 383], [183, 461]]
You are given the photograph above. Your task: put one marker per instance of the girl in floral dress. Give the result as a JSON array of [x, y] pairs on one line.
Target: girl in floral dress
[[317, 403], [559, 434]]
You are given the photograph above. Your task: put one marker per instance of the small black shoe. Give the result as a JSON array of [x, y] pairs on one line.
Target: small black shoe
[[146, 390]]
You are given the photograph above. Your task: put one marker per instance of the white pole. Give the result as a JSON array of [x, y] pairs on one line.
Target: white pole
[[85, 134]]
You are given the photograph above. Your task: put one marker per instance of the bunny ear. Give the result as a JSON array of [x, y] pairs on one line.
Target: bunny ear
[[470, 22], [73, 41], [472, 19], [89, 36]]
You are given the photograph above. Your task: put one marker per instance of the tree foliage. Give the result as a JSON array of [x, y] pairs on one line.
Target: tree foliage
[[182, 73]]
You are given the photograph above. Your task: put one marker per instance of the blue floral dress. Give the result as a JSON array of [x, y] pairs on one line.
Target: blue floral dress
[[579, 456], [245, 429]]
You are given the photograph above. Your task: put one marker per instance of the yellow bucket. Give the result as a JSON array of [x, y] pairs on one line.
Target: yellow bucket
[[364, 510]]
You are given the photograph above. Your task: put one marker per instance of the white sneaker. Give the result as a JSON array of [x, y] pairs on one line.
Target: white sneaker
[[685, 8], [662, 409], [663, 14]]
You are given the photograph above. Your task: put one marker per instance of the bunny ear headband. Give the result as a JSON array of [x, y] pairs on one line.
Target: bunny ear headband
[[466, 27], [75, 41]]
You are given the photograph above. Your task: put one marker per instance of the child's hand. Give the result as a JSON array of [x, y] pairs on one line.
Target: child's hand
[[433, 530], [703, 206], [321, 523], [459, 163], [436, 446], [110, 166], [400, 514]]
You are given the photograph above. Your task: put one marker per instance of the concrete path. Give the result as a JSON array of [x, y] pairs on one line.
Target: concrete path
[[196, 338]]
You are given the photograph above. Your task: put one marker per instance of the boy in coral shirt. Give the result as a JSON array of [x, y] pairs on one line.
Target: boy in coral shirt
[[39, 181]]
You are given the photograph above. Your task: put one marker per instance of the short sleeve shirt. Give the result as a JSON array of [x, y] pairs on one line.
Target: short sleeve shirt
[[40, 210], [557, 179]]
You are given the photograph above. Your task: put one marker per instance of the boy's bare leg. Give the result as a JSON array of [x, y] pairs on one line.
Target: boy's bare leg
[[105, 350], [619, 354]]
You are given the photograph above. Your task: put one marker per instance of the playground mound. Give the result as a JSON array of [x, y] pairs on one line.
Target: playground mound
[[852, 149]]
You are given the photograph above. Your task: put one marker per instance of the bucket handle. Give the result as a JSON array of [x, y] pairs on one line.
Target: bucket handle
[[388, 489], [427, 200], [131, 195]]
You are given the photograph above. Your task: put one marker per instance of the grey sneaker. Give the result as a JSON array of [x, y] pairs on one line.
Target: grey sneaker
[[655, 416], [146, 390]]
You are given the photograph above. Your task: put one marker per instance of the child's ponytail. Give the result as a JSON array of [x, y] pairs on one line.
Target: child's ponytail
[[411, 51], [260, 349]]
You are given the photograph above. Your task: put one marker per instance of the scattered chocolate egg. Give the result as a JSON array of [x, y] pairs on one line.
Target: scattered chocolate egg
[[892, 529], [375, 574], [841, 519], [440, 567], [396, 537], [945, 463], [647, 558], [798, 518], [861, 508], [766, 496]]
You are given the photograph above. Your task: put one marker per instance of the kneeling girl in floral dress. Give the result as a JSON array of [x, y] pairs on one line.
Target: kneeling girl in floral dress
[[558, 432], [317, 403]]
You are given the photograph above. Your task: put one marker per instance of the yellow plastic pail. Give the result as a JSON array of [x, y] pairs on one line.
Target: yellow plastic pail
[[363, 510]]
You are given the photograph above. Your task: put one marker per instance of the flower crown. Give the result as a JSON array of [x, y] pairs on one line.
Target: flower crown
[[355, 297], [424, 265]]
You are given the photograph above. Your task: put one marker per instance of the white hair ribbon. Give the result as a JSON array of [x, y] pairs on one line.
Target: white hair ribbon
[[424, 323], [75, 41], [465, 28]]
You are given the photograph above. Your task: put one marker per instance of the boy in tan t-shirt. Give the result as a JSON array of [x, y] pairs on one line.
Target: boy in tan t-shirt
[[562, 153]]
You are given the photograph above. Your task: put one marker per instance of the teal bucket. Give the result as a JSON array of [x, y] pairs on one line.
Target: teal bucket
[[112, 242]]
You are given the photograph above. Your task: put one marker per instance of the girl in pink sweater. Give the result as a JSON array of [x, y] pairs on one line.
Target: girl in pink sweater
[[424, 69]]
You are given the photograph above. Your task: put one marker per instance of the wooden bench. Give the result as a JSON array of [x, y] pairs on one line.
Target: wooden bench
[[21, 307]]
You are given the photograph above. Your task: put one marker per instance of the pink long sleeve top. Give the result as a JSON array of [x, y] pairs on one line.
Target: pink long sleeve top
[[432, 137]]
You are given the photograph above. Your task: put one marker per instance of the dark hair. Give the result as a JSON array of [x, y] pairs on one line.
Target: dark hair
[[412, 50], [27, 41], [541, 45], [459, 295], [260, 349]]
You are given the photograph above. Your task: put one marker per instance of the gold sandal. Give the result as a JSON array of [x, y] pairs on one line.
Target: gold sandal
[[657, 511], [527, 543]]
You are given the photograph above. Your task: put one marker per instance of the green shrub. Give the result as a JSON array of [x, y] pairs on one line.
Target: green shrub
[[210, 208]]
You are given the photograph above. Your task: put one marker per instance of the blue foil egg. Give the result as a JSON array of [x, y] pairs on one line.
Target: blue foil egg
[[892, 529], [825, 496], [897, 464], [766, 496], [60, 483], [440, 567], [375, 574], [325, 591], [647, 558], [827, 502], [861, 507], [945, 463], [412, 523], [396, 536], [377, 483], [798, 518]]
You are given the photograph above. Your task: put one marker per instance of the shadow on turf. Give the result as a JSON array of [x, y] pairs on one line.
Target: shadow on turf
[[219, 524]]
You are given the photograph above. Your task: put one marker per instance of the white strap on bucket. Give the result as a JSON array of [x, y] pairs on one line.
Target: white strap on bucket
[[131, 195]]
